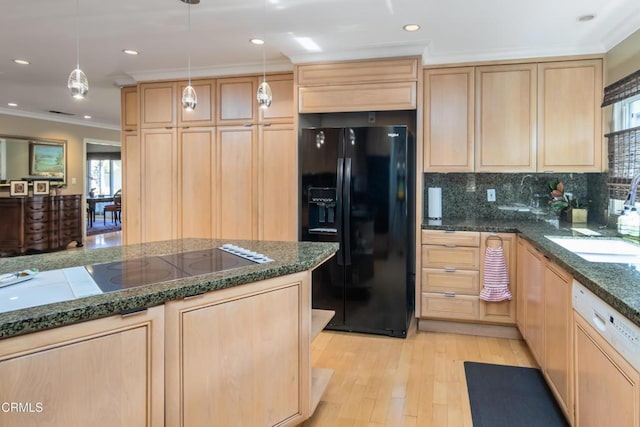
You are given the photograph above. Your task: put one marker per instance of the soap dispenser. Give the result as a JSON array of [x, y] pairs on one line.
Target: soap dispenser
[[623, 221]]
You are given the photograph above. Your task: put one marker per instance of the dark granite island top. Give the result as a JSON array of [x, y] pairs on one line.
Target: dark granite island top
[[616, 284], [289, 257]]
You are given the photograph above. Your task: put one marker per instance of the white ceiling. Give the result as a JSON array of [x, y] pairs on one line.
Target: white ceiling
[[43, 32]]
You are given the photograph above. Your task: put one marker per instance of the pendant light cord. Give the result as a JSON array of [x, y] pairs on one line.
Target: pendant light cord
[[77, 34], [264, 33], [188, 43]]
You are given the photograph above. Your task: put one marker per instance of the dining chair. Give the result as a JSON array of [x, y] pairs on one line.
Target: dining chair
[[115, 209]]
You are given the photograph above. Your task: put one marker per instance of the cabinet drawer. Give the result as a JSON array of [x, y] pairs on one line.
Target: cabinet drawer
[[451, 238], [69, 223], [36, 227], [36, 206], [33, 238], [461, 307], [31, 217], [453, 258], [70, 204], [465, 282]]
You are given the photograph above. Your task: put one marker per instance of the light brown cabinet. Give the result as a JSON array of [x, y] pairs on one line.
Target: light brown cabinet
[[558, 347], [205, 112], [452, 271], [197, 154], [569, 116], [373, 85], [548, 317], [158, 105], [533, 274], [237, 103], [129, 109], [105, 372], [132, 194], [527, 117], [281, 109], [449, 120], [503, 311], [505, 129], [277, 183], [159, 207], [236, 182], [521, 286], [245, 351]]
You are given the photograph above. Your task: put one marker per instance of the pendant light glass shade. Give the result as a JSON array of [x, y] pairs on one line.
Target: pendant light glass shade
[[264, 95], [78, 84], [189, 98]]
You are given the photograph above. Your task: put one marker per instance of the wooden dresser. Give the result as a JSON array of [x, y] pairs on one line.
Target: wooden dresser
[[39, 223]]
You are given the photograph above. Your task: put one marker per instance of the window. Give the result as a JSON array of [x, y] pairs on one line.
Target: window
[[626, 113], [105, 176]]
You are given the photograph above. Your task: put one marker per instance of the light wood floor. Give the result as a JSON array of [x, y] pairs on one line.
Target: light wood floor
[[418, 381]]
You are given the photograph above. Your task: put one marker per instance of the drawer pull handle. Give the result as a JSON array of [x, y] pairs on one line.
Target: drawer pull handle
[[449, 245], [449, 270], [450, 294], [449, 231], [193, 296], [134, 312]]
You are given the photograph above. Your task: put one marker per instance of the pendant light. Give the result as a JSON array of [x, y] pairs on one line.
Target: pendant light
[[189, 97], [264, 91], [78, 83]]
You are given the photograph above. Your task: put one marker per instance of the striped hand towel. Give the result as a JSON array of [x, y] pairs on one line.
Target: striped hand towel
[[496, 279]]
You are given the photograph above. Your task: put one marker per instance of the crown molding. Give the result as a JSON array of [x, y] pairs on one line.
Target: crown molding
[[347, 55], [623, 30]]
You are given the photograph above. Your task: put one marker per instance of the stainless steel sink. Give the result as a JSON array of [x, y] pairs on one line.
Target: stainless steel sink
[[613, 250]]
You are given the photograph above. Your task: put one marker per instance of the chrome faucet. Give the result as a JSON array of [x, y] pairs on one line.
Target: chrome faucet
[[631, 197], [528, 200]]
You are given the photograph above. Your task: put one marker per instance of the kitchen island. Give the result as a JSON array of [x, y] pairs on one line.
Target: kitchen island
[[225, 348]]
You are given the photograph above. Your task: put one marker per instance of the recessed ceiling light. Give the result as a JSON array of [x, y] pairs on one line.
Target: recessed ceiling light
[[86, 116], [586, 18], [411, 27], [131, 51], [21, 61], [12, 104], [257, 41]]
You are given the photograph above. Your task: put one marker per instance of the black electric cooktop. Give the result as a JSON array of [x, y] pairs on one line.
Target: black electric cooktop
[[115, 276]]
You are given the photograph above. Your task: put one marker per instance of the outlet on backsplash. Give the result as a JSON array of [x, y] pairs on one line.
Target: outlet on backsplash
[[491, 195]]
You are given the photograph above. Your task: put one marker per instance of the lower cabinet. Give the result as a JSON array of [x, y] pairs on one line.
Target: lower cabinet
[[106, 372], [546, 321], [240, 356], [452, 274], [558, 348]]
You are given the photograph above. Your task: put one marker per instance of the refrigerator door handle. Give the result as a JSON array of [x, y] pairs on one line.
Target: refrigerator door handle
[[346, 237], [339, 204]]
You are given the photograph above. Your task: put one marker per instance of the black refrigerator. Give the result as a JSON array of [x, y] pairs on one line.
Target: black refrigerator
[[356, 189]]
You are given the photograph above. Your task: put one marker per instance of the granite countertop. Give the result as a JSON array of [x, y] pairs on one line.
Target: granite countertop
[[289, 257], [616, 284]]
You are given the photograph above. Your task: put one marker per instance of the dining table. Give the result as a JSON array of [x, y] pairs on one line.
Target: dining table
[[91, 204]]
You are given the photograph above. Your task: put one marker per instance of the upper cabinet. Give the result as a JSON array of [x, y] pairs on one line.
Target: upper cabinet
[[237, 101], [448, 120], [531, 117], [158, 105], [281, 109], [505, 118], [204, 113], [129, 109], [378, 85], [569, 116]]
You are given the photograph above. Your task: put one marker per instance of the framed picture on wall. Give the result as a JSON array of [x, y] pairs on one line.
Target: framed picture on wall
[[47, 160], [19, 188], [40, 188]]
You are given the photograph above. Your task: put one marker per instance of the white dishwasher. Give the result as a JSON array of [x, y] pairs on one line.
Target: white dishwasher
[[607, 361]]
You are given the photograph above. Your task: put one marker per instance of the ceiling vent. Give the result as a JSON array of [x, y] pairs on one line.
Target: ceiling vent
[[61, 113]]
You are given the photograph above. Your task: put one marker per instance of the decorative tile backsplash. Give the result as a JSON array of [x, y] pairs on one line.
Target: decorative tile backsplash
[[464, 195]]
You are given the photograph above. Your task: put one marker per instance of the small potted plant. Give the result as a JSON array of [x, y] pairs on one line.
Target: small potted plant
[[57, 189], [558, 201]]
